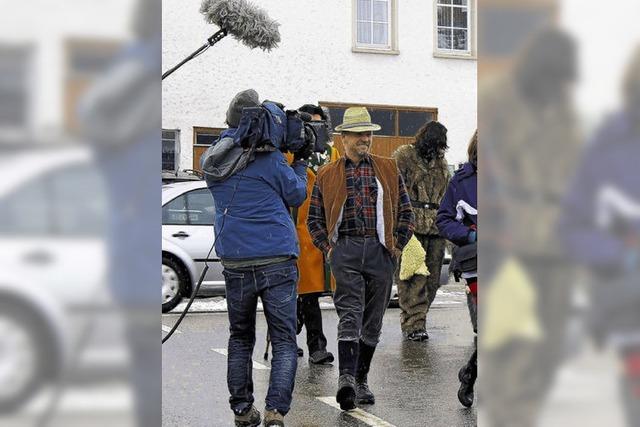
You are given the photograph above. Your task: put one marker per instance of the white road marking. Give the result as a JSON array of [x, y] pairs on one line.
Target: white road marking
[[219, 304], [256, 365], [208, 305], [105, 357], [357, 413], [108, 398], [166, 329]]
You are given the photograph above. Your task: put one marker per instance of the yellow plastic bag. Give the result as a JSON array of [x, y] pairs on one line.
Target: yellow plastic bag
[[510, 303], [412, 261]]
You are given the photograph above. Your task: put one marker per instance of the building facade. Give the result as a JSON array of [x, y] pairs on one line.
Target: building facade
[[48, 57], [408, 61]]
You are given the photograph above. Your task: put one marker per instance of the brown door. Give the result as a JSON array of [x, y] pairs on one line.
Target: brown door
[[197, 153], [203, 137]]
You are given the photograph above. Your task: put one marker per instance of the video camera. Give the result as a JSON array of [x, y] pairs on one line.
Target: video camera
[[270, 125]]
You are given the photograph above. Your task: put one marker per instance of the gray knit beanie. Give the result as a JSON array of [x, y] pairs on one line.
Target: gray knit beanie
[[246, 98]]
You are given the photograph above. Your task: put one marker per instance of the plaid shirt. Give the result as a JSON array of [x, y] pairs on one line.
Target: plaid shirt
[[359, 213]]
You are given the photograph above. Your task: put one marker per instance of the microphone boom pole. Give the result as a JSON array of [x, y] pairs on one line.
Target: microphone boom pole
[[219, 35]]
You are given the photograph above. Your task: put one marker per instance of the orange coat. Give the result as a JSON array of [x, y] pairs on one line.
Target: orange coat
[[314, 275]]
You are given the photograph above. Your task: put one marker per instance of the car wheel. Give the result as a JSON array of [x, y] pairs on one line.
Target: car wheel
[[24, 348], [174, 283], [444, 274], [394, 301]]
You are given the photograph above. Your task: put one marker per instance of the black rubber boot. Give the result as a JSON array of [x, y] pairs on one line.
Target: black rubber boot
[[347, 359], [364, 395], [346, 395], [467, 376]]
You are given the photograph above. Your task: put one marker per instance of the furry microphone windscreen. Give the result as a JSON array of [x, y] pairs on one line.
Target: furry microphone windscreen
[[244, 21]]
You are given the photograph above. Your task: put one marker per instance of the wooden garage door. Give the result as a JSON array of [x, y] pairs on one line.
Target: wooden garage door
[[399, 124]]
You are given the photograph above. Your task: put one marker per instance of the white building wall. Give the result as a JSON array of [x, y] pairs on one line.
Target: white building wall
[[46, 26], [313, 63]]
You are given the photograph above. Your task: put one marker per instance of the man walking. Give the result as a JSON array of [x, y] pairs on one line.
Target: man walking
[[257, 244], [425, 173], [361, 218]]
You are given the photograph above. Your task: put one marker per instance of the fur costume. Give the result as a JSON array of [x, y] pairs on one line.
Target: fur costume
[[425, 182]]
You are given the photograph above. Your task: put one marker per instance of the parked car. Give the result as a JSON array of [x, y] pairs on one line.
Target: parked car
[[187, 243], [169, 177], [53, 262]]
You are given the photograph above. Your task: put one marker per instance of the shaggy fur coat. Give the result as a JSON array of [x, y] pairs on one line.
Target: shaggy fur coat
[[425, 182]]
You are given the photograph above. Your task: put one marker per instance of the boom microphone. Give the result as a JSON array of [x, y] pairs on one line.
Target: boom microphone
[[244, 21]]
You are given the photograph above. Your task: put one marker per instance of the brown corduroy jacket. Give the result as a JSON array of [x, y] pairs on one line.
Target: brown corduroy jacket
[[332, 184]]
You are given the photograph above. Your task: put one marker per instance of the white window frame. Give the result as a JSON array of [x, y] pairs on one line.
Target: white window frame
[[176, 141], [391, 48], [472, 21]]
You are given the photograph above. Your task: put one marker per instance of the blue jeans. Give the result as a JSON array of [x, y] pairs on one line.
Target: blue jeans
[[276, 285]]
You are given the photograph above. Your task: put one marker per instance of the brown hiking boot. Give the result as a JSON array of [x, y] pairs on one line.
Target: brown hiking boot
[[250, 419], [273, 418]]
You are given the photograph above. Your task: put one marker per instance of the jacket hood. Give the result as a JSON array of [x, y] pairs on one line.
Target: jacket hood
[[465, 171]]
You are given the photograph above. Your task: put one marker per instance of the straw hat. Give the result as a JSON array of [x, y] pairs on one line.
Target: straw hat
[[357, 119]]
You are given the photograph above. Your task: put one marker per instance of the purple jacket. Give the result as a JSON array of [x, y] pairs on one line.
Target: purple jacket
[[458, 208], [601, 206]]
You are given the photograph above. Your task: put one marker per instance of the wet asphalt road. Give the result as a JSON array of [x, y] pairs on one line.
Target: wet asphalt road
[[415, 383]]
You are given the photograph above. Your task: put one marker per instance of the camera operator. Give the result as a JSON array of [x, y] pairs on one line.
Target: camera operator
[[257, 244]]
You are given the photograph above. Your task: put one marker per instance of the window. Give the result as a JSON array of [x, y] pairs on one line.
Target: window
[[192, 208], [79, 204], [15, 88], [410, 122], [454, 32], [203, 137], [395, 121], [201, 208], [385, 118], [66, 202], [374, 26], [399, 124], [27, 211], [170, 149]]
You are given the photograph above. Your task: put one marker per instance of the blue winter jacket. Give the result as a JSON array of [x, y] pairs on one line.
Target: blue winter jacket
[[252, 218], [454, 219], [604, 196]]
